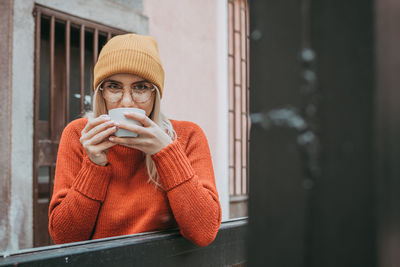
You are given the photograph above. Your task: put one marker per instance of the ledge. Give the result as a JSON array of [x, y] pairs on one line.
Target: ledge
[[165, 248]]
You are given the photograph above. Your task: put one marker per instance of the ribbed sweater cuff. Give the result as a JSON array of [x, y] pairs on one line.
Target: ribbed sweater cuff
[[173, 166], [92, 180]]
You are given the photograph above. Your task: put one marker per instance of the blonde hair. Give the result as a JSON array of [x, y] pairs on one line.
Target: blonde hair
[[99, 108]]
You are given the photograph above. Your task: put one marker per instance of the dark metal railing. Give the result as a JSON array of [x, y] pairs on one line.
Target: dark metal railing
[[166, 248]]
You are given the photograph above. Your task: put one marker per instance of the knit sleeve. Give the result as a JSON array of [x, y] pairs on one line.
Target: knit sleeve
[[80, 187], [187, 175]]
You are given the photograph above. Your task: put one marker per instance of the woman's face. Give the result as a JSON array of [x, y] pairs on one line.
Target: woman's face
[[126, 81]]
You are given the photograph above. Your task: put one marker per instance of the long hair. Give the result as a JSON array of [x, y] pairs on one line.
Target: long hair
[[99, 108]]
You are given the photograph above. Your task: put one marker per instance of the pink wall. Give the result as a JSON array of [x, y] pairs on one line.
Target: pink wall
[[186, 34], [192, 42]]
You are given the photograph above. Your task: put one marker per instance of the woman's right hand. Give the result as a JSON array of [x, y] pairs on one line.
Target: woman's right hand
[[94, 138]]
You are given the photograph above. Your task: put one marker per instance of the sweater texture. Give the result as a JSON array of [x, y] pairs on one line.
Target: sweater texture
[[91, 201]]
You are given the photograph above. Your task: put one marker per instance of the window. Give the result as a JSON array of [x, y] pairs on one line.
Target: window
[[239, 122], [66, 49]]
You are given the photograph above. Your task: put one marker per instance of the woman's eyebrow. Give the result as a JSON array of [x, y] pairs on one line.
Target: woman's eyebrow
[[139, 81], [112, 81]]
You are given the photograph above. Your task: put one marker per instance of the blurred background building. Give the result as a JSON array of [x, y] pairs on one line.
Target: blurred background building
[[325, 147]]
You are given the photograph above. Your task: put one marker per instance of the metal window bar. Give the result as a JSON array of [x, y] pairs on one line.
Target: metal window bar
[[239, 118], [47, 133], [246, 91], [67, 66], [232, 99], [248, 121], [238, 55], [233, 92], [82, 67], [36, 111], [95, 45], [245, 85]]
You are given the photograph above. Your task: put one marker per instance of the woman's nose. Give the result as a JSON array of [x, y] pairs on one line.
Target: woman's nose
[[127, 101]]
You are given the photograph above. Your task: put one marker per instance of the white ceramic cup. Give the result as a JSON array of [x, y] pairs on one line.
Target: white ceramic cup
[[117, 114]]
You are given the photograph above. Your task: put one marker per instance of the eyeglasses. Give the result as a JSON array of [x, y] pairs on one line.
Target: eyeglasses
[[140, 91]]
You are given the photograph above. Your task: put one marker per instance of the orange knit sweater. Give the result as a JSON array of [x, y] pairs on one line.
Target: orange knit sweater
[[90, 201]]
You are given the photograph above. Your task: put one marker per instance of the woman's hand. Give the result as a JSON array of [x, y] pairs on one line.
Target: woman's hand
[[151, 138], [94, 138]]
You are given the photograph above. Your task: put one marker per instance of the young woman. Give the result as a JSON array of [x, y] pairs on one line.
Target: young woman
[[109, 186]]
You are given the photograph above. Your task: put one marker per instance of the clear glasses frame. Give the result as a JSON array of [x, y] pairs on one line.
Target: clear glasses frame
[[140, 92]]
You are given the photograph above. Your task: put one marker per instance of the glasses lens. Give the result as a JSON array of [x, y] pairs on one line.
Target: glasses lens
[[112, 92], [141, 96], [140, 92]]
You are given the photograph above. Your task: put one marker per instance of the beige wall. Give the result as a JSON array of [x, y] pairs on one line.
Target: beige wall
[[192, 39]]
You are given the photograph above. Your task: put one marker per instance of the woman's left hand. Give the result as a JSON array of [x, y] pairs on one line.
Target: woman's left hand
[[151, 138]]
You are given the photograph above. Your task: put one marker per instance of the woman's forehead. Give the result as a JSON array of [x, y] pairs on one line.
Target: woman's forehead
[[125, 78]]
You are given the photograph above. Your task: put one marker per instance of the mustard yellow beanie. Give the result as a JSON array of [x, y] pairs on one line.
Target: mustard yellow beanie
[[130, 53]]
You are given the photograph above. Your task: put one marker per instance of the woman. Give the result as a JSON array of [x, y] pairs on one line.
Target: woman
[[109, 186]]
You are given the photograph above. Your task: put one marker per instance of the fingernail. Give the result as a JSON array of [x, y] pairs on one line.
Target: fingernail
[[116, 123], [111, 139], [104, 116]]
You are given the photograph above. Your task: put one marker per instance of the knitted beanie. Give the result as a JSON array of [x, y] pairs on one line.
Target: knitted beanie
[[130, 53]]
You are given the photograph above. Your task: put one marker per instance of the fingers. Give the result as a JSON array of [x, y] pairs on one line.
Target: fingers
[[94, 138], [98, 138], [132, 142], [98, 134], [100, 128], [143, 119], [124, 140], [94, 122], [106, 145], [97, 150], [133, 128]]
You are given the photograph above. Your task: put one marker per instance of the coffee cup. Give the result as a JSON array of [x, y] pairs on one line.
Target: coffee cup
[[117, 114]]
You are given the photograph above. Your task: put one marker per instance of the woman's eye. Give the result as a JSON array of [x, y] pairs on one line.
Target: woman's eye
[[114, 86], [139, 87], [142, 86]]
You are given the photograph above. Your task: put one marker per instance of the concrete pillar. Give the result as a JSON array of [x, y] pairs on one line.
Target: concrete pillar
[[6, 23]]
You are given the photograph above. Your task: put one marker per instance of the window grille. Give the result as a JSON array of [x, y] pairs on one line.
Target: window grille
[[66, 48], [239, 122]]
